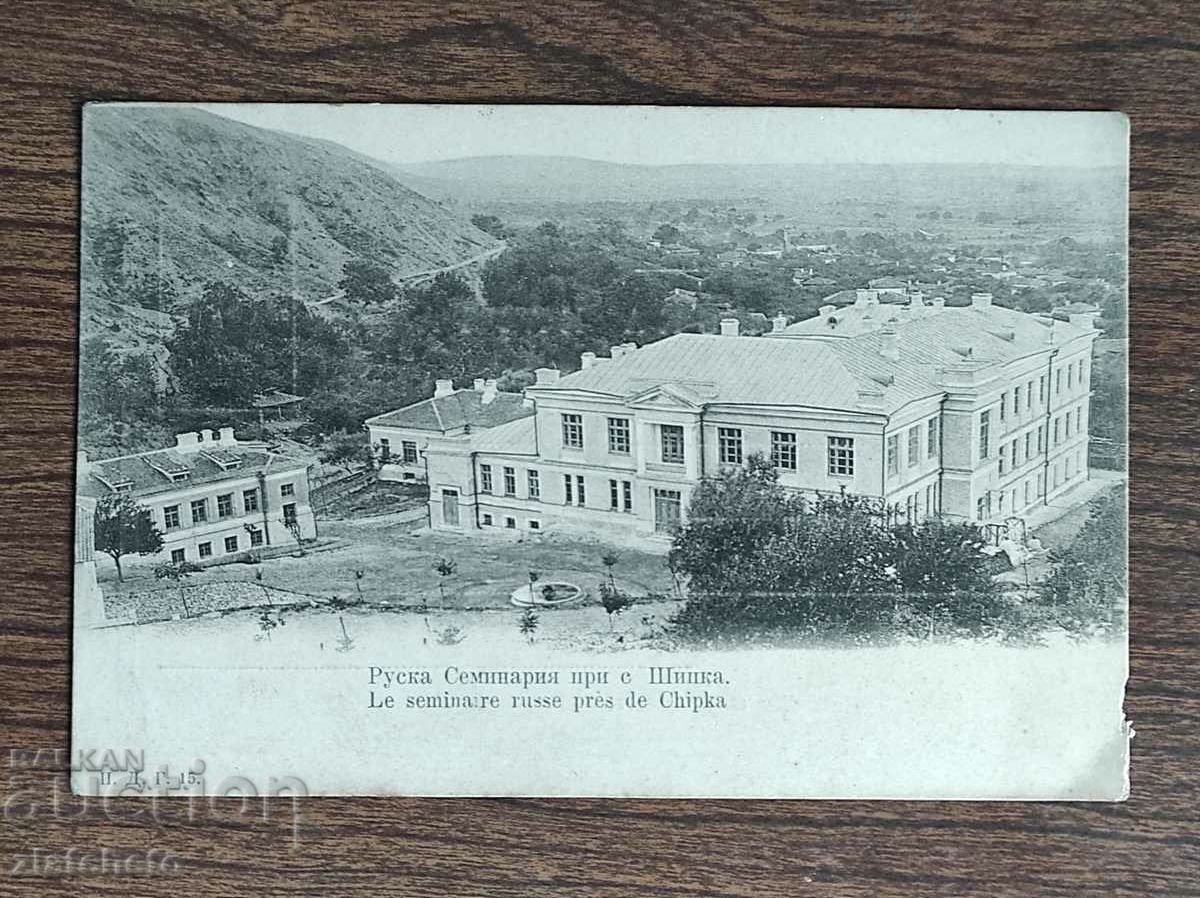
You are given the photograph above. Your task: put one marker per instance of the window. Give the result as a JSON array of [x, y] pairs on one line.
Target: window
[[171, 517], [250, 500], [841, 456], [1027, 491], [205, 550], [231, 544], [1067, 426], [985, 448], [572, 431], [893, 455], [573, 490], [408, 451], [510, 481], [486, 519], [1016, 400], [1079, 420], [618, 436], [199, 511], [614, 495], [1041, 437], [1003, 458], [510, 523], [1042, 389], [729, 445], [485, 478], [289, 514], [1016, 449], [287, 489], [783, 450], [225, 506], [1057, 435], [1029, 396], [627, 495], [672, 443], [667, 510], [1028, 443], [385, 450], [931, 438], [1070, 376], [928, 500], [256, 537], [535, 525], [1081, 374], [1068, 463], [1058, 381], [1003, 405], [534, 483], [979, 509], [178, 556], [914, 445]]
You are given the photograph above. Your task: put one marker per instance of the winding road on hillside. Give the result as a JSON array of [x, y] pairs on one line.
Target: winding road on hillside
[[413, 278]]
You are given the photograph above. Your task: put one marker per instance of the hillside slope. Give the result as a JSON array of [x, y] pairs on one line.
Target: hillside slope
[[175, 197]]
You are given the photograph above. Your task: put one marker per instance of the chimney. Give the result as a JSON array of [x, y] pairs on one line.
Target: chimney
[[617, 351], [227, 437], [778, 323], [206, 436], [939, 303], [189, 440], [586, 360], [443, 388], [629, 347], [546, 376], [729, 327], [916, 301], [478, 384], [889, 346], [981, 300], [826, 310], [860, 297], [490, 389]]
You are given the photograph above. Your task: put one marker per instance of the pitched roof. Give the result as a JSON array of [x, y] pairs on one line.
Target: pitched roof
[[517, 437], [743, 370], [800, 369], [458, 410], [147, 473]]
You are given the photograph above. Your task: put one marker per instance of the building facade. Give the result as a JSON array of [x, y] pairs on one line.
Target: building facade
[[400, 438], [210, 495], [976, 413]]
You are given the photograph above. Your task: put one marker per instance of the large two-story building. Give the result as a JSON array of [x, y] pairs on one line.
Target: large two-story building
[[976, 412], [210, 495]]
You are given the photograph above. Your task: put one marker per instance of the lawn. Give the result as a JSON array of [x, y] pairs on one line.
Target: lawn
[[398, 560]]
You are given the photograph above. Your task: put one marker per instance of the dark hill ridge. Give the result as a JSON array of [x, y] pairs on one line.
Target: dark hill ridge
[[174, 197]]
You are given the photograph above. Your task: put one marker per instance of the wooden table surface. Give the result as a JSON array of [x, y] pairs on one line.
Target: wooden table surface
[[1139, 57]]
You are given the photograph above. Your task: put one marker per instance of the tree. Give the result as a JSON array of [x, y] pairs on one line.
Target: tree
[[614, 601], [445, 568], [489, 223], [667, 233], [366, 283], [528, 623], [122, 527], [347, 451], [760, 560]]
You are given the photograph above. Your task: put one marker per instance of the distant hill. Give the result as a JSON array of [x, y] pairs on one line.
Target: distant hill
[[175, 197], [1010, 192]]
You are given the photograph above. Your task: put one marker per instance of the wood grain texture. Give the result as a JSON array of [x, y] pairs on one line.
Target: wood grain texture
[[1139, 57]]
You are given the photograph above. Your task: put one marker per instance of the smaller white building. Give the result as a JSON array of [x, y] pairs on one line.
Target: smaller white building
[[401, 437], [210, 494]]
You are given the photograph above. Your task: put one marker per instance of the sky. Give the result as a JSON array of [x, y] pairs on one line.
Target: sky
[[663, 135]]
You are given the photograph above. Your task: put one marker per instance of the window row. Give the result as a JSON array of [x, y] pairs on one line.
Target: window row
[[198, 509], [928, 431], [784, 452], [231, 545], [487, 519], [408, 452]]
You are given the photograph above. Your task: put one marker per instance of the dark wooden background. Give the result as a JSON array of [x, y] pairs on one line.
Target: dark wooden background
[[1139, 57]]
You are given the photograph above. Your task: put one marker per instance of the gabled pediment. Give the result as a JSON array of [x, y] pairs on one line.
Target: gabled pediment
[[666, 396]]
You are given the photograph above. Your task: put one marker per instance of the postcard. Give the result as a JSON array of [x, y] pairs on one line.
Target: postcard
[[601, 451]]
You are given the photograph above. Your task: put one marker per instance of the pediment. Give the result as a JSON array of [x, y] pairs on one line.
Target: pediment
[[666, 396]]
